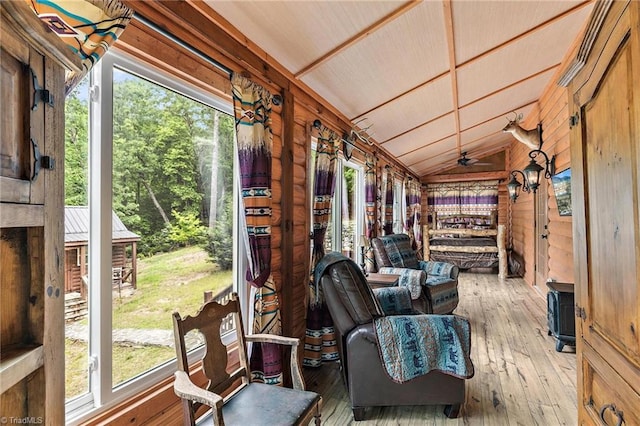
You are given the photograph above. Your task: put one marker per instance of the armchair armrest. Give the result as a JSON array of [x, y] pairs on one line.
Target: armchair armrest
[[296, 374], [186, 389]]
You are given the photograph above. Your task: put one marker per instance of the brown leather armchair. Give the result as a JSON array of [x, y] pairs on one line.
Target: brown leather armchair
[[353, 307], [393, 254]]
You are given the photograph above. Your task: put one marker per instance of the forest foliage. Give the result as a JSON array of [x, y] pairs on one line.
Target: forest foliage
[[171, 157]]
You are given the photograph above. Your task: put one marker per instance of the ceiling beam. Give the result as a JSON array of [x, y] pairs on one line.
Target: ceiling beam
[[448, 23], [417, 127], [356, 38], [467, 177], [395, 98], [479, 57], [468, 128], [509, 86], [526, 33]]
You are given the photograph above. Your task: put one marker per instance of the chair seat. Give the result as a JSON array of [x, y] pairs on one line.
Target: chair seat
[[260, 404]]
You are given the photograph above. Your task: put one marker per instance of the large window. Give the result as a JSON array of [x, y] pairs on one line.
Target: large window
[[398, 206], [149, 182], [346, 225]]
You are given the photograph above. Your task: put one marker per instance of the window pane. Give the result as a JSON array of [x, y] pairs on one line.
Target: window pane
[[76, 183], [172, 203], [348, 211], [398, 220]]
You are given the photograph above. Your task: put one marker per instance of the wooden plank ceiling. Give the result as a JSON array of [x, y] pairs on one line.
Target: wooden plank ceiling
[[432, 78]]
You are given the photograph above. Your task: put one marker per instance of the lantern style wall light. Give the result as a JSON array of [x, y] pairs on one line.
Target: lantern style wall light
[[533, 169], [531, 173], [514, 187]]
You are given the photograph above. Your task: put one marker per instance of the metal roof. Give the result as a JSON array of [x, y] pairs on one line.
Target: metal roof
[[76, 226]]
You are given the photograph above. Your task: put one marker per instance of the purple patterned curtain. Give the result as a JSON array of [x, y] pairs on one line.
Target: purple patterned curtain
[[444, 198], [387, 187], [369, 208], [479, 197], [474, 198], [252, 109], [320, 341], [89, 27]]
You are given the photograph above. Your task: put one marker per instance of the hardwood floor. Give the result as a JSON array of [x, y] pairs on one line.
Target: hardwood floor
[[519, 378]]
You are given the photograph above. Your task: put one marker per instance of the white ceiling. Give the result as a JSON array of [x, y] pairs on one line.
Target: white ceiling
[[432, 78]]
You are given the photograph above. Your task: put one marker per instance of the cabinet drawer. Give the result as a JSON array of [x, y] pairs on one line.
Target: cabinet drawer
[[606, 396]]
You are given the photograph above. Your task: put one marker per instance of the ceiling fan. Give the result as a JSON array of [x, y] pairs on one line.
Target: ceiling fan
[[466, 161]]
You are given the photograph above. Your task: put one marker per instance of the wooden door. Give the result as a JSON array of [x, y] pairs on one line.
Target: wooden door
[[22, 135], [605, 153], [541, 229]]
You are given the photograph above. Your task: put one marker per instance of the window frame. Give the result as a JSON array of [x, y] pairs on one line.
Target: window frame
[[398, 206], [101, 394], [336, 213]]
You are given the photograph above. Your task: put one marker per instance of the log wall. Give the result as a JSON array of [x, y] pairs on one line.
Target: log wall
[[552, 111]]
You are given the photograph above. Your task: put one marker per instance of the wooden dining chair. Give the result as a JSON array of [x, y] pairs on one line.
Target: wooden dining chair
[[233, 399]]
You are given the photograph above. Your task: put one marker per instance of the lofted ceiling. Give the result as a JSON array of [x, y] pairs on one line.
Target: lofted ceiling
[[432, 78]]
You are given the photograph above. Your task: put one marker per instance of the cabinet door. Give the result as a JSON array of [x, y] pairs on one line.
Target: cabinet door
[[605, 149], [22, 134]]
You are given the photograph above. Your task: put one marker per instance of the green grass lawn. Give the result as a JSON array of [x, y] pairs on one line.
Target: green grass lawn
[[166, 283]]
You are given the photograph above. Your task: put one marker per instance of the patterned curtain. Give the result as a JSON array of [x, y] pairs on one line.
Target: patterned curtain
[[89, 27], [320, 340], [476, 197], [387, 188], [480, 197], [369, 208], [444, 198], [252, 109]]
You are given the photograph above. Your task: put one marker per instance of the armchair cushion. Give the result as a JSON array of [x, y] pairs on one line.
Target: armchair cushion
[[352, 289], [395, 250], [394, 300], [413, 279]]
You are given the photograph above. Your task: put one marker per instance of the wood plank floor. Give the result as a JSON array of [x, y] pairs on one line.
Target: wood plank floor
[[519, 378]]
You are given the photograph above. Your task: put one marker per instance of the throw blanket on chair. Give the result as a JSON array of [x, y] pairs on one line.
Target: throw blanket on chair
[[411, 346], [410, 278]]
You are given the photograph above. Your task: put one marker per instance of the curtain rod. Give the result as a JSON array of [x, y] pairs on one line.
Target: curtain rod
[[317, 124], [181, 43], [276, 98]]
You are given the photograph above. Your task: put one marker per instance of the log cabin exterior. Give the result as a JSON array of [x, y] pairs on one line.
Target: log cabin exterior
[[558, 256], [76, 241]]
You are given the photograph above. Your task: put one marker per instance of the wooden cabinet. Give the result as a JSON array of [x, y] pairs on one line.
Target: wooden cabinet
[[31, 217], [604, 99]]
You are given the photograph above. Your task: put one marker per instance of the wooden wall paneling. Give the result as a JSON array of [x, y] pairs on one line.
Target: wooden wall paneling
[[287, 248], [144, 43]]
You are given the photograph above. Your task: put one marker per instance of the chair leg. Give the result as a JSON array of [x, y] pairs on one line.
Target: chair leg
[[358, 413], [452, 411]]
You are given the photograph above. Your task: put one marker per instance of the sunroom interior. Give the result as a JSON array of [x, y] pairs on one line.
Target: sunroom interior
[[240, 142]]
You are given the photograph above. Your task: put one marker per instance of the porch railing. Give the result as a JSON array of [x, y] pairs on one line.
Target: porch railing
[[222, 297]]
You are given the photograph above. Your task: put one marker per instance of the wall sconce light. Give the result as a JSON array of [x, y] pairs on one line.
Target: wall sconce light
[[533, 169], [531, 173], [513, 187]]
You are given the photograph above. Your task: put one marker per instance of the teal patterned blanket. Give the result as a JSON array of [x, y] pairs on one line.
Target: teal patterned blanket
[[413, 345]]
